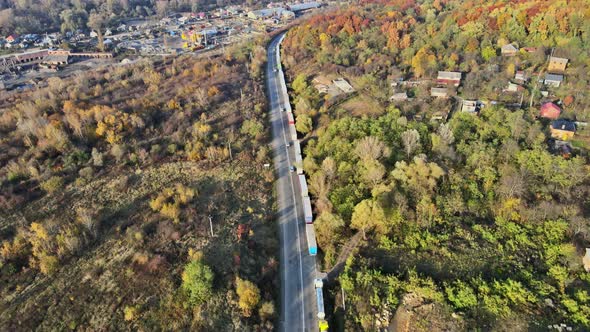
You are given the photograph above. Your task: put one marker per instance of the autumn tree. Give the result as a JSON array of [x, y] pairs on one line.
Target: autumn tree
[[369, 215], [248, 294]]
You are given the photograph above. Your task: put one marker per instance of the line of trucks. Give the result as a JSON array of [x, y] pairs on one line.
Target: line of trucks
[[312, 246]]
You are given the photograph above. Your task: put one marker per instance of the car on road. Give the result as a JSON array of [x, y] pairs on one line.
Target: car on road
[[292, 168], [288, 144], [275, 70]]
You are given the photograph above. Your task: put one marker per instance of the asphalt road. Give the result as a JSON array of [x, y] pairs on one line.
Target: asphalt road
[[298, 269]]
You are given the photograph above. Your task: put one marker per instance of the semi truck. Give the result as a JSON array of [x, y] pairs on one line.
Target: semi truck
[[293, 132], [307, 212], [298, 158], [323, 324], [312, 245], [303, 186]]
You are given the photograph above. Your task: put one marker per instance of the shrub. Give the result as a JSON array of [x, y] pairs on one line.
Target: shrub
[[47, 264], [170, 200], [249, 296], [52, 184], [267, 311], [86, 172], [130, 313], [197, 282]]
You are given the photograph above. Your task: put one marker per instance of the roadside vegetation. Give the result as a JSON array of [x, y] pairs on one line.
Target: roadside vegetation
[[135, 198], [470, 221]]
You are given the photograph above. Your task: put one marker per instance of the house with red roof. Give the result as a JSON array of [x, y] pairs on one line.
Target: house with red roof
[[550, 111]]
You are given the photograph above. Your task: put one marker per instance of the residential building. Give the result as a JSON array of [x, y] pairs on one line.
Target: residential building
[[439, 92], [343, 85], [509, 50], [520, 76], [557, 65], [530, 49], [469, 106], [399, 96], [513, 87], [301, 7], [562, 129], [449, 77], [550, 111], [553, 80]]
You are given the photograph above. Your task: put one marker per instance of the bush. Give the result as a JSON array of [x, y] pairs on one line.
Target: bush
[[52, 184], [48, 264], [197, 282], [249, 296], [130, 313]]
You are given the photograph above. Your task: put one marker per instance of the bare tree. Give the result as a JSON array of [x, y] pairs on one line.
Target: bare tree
[[411, 141], [96, 22], [371, 147]]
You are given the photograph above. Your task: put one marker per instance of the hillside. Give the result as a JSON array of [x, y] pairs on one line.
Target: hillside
[[471, 198], [111, 183]]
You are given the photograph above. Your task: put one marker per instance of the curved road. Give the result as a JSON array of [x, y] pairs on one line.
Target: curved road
[[298, 270]]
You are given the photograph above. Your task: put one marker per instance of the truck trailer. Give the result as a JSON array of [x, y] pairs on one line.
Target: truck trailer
[[312, 245], [303, 186], [307, 212]]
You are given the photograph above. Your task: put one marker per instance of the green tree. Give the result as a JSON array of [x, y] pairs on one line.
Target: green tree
[[300, 84], [303, 123], [369, 215], [461, 295], [197, 282], [487, 53]]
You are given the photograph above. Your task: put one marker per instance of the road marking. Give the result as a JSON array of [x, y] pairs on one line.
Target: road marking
[[281, 118]]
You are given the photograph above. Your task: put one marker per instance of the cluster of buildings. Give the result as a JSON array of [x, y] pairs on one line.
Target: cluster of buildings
[[561, 130], [280, 11]]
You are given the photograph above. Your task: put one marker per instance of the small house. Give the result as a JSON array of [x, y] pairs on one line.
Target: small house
[[513, 87], [562, 129], [550, 111], [449, 77], [509, 50], [520, 76], [553, 80], [400, 96], [557, 65], [530, 49], [343, 85], [439, 92], [11, 39], [469, 106]]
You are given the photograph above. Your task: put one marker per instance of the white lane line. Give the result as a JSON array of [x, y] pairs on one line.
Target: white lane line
[[295, 205]]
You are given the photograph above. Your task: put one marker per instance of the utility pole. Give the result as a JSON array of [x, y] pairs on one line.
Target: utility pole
[[211, 225], [229, 148], [343, 300]]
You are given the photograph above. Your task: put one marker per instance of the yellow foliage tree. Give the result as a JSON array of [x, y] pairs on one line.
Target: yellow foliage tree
[[248, 294]]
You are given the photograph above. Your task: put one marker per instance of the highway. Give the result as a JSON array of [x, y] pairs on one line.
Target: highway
[[298, 269]]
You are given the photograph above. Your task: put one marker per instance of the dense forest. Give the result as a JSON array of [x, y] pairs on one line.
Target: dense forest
[[36, 16], [468, 221], [115, 191]]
